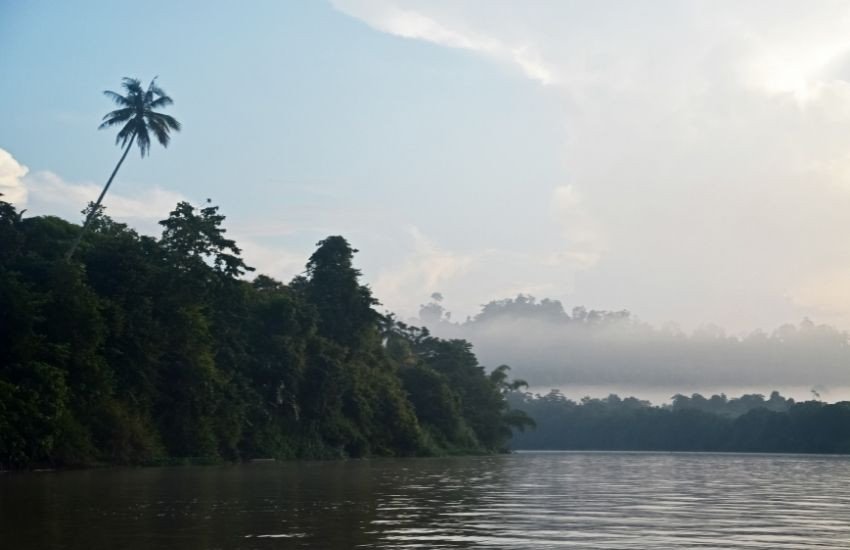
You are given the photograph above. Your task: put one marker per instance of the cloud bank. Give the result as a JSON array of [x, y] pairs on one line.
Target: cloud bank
[[50, 194], [46, 193], [11, 179], [707, 141], [598, 352]]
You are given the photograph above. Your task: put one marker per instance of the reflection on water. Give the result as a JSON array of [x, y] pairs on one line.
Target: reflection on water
[[528, 500]]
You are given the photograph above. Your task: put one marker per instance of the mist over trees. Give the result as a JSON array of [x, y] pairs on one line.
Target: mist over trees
[[550, 347], [145, 350]]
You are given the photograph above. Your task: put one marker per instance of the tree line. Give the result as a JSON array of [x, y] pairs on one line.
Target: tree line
[[152, 350], [749, 423]]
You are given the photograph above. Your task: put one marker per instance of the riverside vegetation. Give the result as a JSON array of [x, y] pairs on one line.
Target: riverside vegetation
[[155, 350], [749, 423]]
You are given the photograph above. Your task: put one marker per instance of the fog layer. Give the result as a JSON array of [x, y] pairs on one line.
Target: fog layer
[[597, 351]]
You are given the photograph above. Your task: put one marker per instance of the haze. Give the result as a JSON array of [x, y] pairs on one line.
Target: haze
[[686, 161], [587, 352]]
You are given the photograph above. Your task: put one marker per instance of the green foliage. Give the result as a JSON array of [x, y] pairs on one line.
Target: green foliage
[[158, 351], [746, 424], [343, 304], [462, 407]]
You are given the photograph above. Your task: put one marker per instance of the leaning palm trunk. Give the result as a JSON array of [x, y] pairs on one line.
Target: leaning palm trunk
[[93, 211], [138, 120]]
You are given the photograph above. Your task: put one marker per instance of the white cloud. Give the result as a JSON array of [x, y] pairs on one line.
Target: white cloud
[[583, 245], [410, 23], [470, 278], [11, 184], [141, 207], [706, 148], [427, 269], [825, 295], [275, 261], [565, 200]]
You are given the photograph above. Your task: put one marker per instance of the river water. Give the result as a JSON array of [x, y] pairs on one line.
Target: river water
[[526, 500]]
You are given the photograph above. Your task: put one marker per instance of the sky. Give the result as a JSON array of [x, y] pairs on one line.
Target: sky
[[686, 160]]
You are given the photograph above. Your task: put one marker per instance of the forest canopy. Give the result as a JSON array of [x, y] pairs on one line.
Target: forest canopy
[[151, 350], [749, 423]]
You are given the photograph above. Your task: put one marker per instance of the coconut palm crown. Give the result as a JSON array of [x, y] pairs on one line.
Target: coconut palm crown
[[138, 116]]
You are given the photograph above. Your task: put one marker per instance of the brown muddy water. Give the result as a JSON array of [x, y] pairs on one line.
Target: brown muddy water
[[525, 500]]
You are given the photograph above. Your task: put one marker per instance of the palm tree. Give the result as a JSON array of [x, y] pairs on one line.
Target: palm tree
[[139, 119]]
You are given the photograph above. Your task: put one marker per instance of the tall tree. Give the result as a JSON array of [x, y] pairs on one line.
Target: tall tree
[[333, 287], [138, 119]]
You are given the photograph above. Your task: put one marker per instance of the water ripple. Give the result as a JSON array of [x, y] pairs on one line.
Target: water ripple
[[529, 500]]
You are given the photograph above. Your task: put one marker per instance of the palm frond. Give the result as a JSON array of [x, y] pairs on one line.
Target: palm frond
[[168, 120], [143, 139], [116, 117], [154, 89], [149, 94], [110, 123], [162, 101], [126, 133], [160, 130], [132, 85], [117, 98]]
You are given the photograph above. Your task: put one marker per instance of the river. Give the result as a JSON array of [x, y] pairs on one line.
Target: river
[[525, 500]]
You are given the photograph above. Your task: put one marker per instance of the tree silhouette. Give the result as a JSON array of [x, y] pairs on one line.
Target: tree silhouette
[[139, 118]]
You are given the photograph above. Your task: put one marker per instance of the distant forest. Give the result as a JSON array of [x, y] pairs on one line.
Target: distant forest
[[749, 423], [146, 351]]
